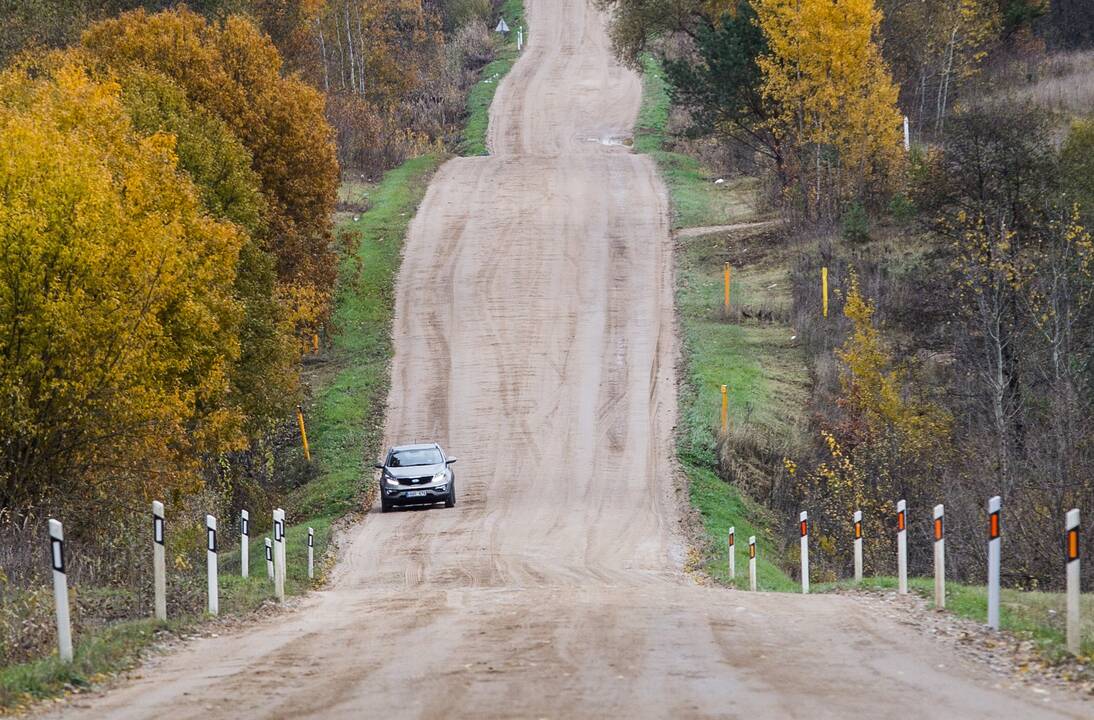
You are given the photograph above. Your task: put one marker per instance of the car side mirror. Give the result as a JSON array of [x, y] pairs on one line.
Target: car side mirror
[[378, 466], [449, 461]]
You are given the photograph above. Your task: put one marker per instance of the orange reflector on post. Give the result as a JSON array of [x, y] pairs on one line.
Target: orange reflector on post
[[900, 520], [752, 550], [938, 528], [805, 527], [993, 526], [1073, 544], [858, 529], [731, 539]]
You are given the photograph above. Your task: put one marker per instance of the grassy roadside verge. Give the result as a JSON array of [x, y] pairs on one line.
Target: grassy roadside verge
[[754, 360], [696, 200], [1036, 616], [482, 94], [345, 433]]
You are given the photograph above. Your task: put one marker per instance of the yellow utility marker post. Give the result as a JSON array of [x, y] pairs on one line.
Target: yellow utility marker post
[[824, 291], [303, 432], [727, 276]]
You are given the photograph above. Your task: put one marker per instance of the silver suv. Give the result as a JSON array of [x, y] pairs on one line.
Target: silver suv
[[416, 475]]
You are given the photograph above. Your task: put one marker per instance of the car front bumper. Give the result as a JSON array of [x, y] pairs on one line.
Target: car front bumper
[[410, 495]]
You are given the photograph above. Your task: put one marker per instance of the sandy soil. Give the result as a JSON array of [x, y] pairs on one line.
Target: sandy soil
[[534, 339]]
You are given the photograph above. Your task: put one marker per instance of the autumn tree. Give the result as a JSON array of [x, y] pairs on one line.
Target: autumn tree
[[233, 71], [1012, 223], [886, 440], [118, 321], [825, 73], [264, 379]]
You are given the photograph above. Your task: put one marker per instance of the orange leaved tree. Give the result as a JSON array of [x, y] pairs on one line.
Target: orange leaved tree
[[233, 71]]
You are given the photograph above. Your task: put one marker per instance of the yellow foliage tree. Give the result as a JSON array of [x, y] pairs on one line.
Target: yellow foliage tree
[[886, 444], [874, 387], [118, 322], [825, 72]]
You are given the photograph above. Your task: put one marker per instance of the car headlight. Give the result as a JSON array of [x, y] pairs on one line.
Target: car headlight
[[439, 477], [391, 481]]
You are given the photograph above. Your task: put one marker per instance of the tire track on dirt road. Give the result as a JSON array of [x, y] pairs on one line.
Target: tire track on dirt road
[[534, 338]]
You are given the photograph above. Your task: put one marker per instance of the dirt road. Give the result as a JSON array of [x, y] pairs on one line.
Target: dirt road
[[534, 339]]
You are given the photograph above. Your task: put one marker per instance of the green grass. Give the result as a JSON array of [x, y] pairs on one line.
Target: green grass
[[758, 361], [768, 388], [1038, 616], [696, 200], [96, 655], [482, 94]]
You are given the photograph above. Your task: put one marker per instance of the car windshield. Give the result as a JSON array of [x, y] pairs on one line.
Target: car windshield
[[410, 458]]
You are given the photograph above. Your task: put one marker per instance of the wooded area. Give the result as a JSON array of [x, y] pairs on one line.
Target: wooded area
[[956, 360]]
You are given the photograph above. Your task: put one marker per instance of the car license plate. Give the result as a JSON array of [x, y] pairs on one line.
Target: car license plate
[[416, 493]]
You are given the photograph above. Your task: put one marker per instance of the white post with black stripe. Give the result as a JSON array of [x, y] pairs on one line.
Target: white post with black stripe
[[245, 542], [278, 554], [1071, 540], [211, 552], [858, 546], [752, 562], [311, 553], [269, 559], [732, 553], [159, 562], [902, 547], [939, 557], [60, 590], [803, 523], [995, 542]]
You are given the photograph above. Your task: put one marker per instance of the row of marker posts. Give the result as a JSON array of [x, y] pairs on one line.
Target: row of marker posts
[[995, 539], [275, 561]]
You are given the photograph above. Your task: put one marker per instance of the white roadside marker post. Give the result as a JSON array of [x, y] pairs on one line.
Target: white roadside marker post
[[269, 559], [279, 557], [995, 542], [732, 554], [245, 542], [1072, 541], [902, 547], [211, 547], [803, 521], [60, 590], [907, 136], [520, 38], [752, 563], [858, 546], [939, 558], [159, 563], [311, 553]]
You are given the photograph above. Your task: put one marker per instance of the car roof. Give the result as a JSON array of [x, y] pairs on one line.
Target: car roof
[[418, 446]]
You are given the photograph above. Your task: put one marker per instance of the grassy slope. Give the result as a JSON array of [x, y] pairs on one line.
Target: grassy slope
[[345, 434], [696, 200], [748, 358], [482, 94]]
